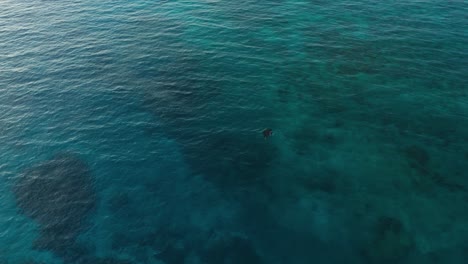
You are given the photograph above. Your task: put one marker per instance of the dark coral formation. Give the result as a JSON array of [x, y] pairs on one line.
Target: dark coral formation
[[119, 201], [173, 254], [232, 250], [248, 158], [109, 261], [391, 242], [58, 195], [447, 184], [165, 245], [227, 157], [230, 160], [323, 184], [418, 157]]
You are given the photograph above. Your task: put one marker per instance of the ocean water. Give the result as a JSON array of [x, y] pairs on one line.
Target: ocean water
[[131, 131]]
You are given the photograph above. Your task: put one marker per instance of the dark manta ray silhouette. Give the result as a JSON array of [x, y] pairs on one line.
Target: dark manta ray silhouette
[[267, 133]]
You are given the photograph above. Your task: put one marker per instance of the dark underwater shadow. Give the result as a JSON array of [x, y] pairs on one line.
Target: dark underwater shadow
[[219, 139], [59, 195]]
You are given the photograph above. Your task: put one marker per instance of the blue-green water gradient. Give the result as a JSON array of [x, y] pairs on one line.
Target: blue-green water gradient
[[131, 131]]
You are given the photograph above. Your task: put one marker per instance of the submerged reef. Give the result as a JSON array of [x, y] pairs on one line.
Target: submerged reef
[[418, 157], [58, 195], [390, 243], [217, 139], [233, 160], [109, 261], [232, 250]]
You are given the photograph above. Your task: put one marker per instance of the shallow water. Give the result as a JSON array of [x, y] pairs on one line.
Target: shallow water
[[156, 108]]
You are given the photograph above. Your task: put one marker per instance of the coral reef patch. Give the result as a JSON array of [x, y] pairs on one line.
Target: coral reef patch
[[58, 194]]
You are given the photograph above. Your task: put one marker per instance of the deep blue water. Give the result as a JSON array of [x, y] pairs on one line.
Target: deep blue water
[[131, 131]]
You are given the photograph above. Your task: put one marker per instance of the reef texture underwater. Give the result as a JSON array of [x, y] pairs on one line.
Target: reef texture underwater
[[132, 132]]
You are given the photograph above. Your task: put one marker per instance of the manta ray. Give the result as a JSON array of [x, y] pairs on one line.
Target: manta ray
[[267, 133]]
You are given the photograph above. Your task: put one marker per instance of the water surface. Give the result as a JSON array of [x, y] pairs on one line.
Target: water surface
[[131, 131]]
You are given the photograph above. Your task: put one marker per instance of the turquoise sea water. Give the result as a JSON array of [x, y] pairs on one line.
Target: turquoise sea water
[[131, 131]]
